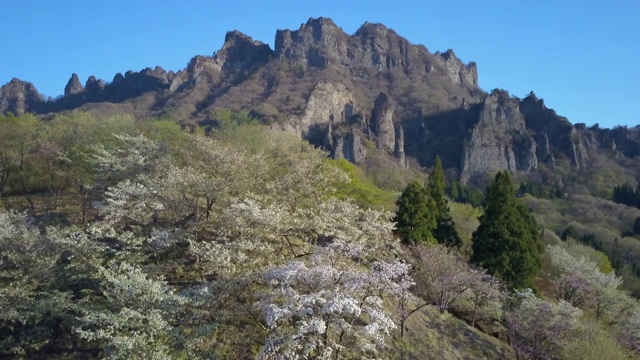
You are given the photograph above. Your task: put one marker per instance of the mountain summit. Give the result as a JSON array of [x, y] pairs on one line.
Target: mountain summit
[[342, 92]]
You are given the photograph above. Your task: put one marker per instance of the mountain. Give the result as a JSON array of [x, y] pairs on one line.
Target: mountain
[[369, 95]]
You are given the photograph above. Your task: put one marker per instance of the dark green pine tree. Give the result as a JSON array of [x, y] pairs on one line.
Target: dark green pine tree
[[445, 231], [506, 242], [416, 216]]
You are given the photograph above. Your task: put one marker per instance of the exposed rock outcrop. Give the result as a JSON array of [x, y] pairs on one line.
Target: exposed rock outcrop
[[94, 89], [399, 148], [544, 151], [353, 149], [318, 43], [328, 143], [74, 86], [561, 134], [328, 104], [499, 140], [322, 44], [349, 147], [455, 71], [382, 123], [19, 97], [241, 53]]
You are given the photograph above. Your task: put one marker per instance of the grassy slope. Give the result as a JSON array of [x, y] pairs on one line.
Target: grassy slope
[[431, 335]]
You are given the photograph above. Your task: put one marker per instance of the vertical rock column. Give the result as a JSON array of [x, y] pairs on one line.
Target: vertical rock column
[[382, 123]]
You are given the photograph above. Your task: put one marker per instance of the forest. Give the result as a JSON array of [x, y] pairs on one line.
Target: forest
[[126, 238]]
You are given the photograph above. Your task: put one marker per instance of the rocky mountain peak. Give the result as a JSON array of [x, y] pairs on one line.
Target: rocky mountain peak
[[560, 133], [455, 70], [318, 43], [240, 51], [74, 86], [19, 97], [373, 29]]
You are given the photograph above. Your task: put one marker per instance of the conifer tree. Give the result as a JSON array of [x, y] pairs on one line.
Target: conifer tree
[[506, 242], [445, 231], [416, 215]]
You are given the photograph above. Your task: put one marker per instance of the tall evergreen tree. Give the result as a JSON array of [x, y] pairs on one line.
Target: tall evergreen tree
[[445, 231], [416, 216], [506, 242]]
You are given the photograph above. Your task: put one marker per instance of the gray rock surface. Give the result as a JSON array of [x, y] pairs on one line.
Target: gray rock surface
[[455, 71], [381, 123], [399, 146], [499, 140], [321, 43], [350, 147], [19, 97], [74, 86], [328, 104]]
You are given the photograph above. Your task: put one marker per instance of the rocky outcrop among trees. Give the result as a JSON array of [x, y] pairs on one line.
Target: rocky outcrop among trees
[[499, 140]]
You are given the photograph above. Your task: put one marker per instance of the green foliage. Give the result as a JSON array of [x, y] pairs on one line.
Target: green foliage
[[445, 231], [506, 242], [465, 217], [540, 190], [592, 342], [416, 215], [627, 195], [361, 188], [464, 194]]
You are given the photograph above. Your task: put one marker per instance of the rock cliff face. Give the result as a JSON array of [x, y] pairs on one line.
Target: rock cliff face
[[19, 97], [74, 86], [349, 147], [328, 103], [399, 148], [241, 52], [560, 134], [318, 43], [239, 55], [544, 150], [454, 70], [321, 43], [347, 144], [499, 140], [382, 123]]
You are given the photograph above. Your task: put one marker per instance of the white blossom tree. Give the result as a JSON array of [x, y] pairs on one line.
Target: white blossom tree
[[539, 329], [329, 307]]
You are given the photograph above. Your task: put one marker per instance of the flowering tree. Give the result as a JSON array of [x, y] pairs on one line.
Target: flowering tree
[[484, 299], [580, 282], [131, 317], [329, 307], [539, 329], [443, 275]]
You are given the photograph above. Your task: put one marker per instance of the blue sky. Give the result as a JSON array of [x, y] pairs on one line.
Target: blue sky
[[581, 56]]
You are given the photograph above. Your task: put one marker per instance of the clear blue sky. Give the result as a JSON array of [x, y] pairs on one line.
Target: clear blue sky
[[581, 56]]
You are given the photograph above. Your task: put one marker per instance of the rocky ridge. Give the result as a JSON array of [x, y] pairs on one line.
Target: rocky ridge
[[345, 92]]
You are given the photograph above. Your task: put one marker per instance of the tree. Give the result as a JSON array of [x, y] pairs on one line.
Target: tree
[[506, 242], [327, 308], [442, 275], [416, 215], [539, 329], [577, 280], [445, 231]]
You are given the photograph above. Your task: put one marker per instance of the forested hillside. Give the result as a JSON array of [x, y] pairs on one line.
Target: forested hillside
[[136, 238]]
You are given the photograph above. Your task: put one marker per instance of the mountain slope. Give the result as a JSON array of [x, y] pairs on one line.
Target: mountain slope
[[326, 86]]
